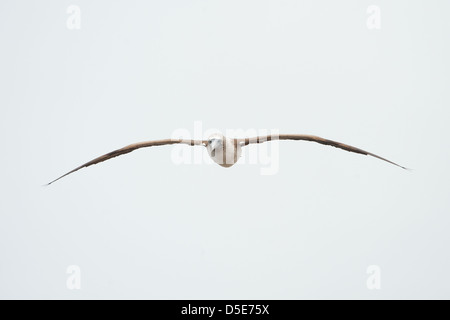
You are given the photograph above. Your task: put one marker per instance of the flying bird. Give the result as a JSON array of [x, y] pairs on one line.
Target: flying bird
[[223, 150]]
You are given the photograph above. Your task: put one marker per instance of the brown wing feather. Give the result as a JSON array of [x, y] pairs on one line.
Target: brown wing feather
[[130, 148], [320, 140]]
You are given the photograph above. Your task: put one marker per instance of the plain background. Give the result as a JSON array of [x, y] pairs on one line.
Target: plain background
[[139, 226]]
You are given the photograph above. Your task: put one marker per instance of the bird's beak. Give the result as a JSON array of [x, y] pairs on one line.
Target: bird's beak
[[214, 144]]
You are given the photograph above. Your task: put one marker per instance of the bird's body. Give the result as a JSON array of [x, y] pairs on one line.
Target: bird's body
[[223, 150]]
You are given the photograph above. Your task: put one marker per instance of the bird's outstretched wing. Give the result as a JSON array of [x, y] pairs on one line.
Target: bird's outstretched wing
[[320, 140], [130, 148]]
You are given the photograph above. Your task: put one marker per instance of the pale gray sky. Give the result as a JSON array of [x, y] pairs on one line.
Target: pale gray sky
[[140, 226]]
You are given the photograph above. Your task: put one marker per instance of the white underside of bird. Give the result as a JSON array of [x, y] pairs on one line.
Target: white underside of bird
[[224, 151]]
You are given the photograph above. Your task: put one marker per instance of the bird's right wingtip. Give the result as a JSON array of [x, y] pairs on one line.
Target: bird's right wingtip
[[47, 184]]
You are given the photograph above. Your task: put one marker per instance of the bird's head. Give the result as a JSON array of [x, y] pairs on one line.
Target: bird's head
[[214, 145]]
